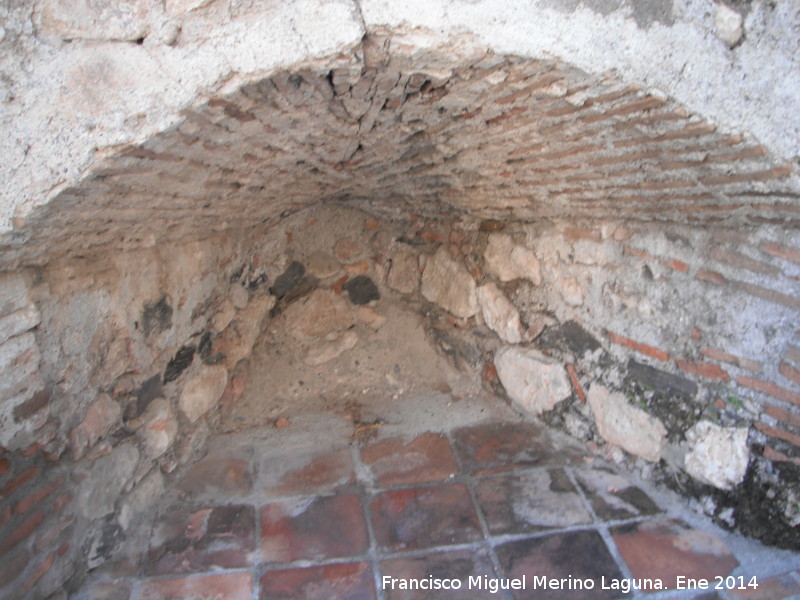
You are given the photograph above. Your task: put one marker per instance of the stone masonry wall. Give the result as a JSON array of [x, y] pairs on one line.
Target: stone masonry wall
[[112, 372]]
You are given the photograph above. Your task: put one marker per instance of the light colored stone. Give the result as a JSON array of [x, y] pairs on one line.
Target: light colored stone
[[404, 273], [121, 20], [237, 341], [104, 480], [447, 283], [140, 500], [224, 315], [500, 314], [717, 455], [201, 393], [571, 291], [159, 427], [326, 351], [508, 261], [239, 296], [13, 293], [533, 381], [626, 426], [369, 317], [322, 265], [179, 7], [18, 322], [319, 314], [729, 24], [98, 422]]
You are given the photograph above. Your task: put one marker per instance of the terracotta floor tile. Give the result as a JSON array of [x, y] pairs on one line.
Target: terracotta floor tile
[[214, 475], [530, 501], [347, 581], [313, 528], [458, 565], [780, 587], [665, 549], [199, 540], [230, 586], [307, 471], [496, 447], [614, 497], [577, 555], [424, 517], [424, 459]]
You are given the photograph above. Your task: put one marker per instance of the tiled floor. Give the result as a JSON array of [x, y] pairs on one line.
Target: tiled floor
[[308, 514]]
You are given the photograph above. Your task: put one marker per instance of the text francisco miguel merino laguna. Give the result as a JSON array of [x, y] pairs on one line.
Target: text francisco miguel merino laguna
[[493, 585]]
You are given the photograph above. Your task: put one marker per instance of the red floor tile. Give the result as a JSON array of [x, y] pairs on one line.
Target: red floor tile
[[230, 586], [426, 458], [530, 501], [576, 556], [348, 581], [312, 472], [424, 517], [781, 587], [665, 549], [313, 528], [215, 474], [496, 447], [458, 565], [199, 540]]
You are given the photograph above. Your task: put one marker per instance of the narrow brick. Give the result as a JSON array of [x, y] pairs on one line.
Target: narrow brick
[[21, 532], [576, 384], [507, 115], [703, 369], [631, 251], [650, 351], [740, 261], [710, 277], [791, 373], [781, 251], [784, 416], [579, 233], [675, 264], [34, 498], [638, 105], [770, 389], [745, 363], [767, 294], [17, 482], [623, 158], [778, 433], [776, 456], [4, 466], [526, 150], [774, 173]]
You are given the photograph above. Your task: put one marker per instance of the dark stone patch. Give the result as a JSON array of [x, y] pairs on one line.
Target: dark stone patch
[[180, 362], [101, 546], [306, 285], [569, 337], [462, 353], [361, 290], [31, 406], [288, 279], [575, 555], [661, 380], [150, 390], [156, 317], [610, 500], [205, 345]]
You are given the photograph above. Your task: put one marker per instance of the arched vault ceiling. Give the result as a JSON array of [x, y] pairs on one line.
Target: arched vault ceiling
[[496, 137]]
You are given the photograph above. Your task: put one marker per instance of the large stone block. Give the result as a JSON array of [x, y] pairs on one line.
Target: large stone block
[[201, 393], [717, 455], [500, 314], [533, 381], [447, 283], [508, 261], [321, 313], [626, 426]]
